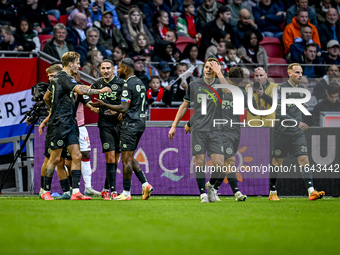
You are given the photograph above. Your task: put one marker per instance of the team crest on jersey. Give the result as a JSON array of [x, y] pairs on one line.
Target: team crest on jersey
[[114, 87], [125, 93], [73, 80], [277, 152], [229, 150], [106, 146], [60, 143], [138, 88], [197, 147]]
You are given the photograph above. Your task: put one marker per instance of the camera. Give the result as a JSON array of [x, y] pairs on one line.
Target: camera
[[39, 109], [257, 85]]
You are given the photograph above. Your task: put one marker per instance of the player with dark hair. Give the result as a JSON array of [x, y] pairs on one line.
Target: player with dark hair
[[205, 137], [133, 105], [63, 128], [291, 140], [109, 124], [230, 135]]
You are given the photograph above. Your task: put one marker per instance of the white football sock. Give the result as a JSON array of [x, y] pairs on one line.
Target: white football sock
[[145, 184], [86, 172], [126, 193], [310, 190], [75, 191]]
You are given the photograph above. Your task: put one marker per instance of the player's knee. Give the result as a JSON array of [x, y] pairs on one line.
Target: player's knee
[[303, 160], [85, 154], [76, 156], [200, 161]]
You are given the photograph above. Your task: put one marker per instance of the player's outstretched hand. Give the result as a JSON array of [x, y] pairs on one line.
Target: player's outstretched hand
[[41, 128], [99, 103], [303, 126], [172, 133], [187, 129], [105, 89]]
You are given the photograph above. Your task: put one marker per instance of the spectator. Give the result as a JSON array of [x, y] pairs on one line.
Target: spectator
[[172, 36], [91, 66], [91, 43], [301, 4], [109, 35], [59, 7], [245, 24], [206, 13], [321, 10], [263, 98], [179, 84], [164, 73], [299, 45], [252, 53], [13, 43], [330, 30], [134, 26], [139, 71], [319, 90], [332, 55], [269, 18], [190, 55], [164, 53], [58, 45], [8, 14], [154, 6], [118, 54], [221, 55], [329, 104], [235, 7], [175, 6], [186, 22], [25, 32], [149, 69], [215, 40], [309, 60], [215, 27], [159, 26], [76, 31], [122, 10], [33, 11], [231, 58], [99, 7], [292, 30], [155, 92], [83, 7], [140, 43]]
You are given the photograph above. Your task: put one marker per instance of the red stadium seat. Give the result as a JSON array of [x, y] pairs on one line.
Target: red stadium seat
[[277, 72], [53, 20], [183, 41], [43, 40], [272, 46], [63, 19], [45, 37]]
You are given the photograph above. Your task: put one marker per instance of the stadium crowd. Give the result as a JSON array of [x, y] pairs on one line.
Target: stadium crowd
[[169, 38]]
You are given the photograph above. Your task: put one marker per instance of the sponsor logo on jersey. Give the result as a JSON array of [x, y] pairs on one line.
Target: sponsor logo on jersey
[[125, 93], [114, 87]]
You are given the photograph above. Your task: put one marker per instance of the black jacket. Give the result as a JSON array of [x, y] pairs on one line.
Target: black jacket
[[326, 34], [51, 49], [324, 106]]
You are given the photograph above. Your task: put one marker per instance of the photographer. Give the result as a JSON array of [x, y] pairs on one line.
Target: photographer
[[263, 93]]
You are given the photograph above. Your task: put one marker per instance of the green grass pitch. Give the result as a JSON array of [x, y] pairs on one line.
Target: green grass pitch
[[169, 225]]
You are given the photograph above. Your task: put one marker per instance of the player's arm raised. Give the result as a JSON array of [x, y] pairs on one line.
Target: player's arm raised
[[217, 70], [180, 113], [86, 90]]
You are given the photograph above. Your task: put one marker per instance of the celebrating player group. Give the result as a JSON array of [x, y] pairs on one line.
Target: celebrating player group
[[121, 108]]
